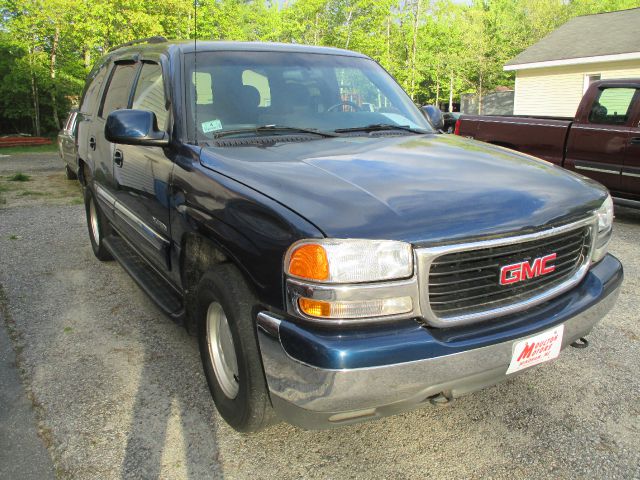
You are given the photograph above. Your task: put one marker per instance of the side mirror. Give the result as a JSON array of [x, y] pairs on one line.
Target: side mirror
[[134, 127], [434, 115]]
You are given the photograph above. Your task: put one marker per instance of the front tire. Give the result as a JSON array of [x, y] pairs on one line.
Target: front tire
[[98, 226], [229, 350]]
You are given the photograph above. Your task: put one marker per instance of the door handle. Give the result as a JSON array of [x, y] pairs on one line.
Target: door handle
[[635, 140], [118, 158], [92, 143]]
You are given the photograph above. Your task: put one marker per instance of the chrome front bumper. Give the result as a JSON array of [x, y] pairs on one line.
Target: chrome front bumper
[[312, 397]]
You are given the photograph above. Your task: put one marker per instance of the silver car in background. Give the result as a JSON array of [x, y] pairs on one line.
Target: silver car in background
[[67, 146]]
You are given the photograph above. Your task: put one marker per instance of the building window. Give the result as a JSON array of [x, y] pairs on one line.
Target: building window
[[589, 79]]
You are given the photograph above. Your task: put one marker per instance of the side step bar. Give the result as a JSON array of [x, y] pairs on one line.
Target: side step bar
[[156, 287]]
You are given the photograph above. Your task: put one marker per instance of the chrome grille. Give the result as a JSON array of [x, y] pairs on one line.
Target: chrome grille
[[463, 282]]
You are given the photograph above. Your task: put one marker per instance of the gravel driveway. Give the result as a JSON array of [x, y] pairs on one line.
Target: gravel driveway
[[119, 393]]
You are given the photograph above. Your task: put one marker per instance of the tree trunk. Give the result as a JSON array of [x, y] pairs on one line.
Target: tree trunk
[[451, 93], [315, 31], [87, 58], [480, 96], [414, 46], [438, 88], [52, 74], [388, 41], [349, 28], [34, 94]]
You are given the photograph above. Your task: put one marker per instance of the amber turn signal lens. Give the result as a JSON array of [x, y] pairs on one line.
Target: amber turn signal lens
[[314, 308], [309, 261]]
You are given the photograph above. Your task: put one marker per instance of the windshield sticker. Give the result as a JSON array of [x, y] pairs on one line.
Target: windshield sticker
[[211, 126]]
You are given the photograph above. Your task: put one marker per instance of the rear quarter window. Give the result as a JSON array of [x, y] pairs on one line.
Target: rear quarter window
[[90, 98]]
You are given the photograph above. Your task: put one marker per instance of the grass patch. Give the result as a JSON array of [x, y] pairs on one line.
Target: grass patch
[[31, 193], [53, 147], [13, 237], [4, 188], [19, 177], [2, 200], [68, 330], [77, 201]]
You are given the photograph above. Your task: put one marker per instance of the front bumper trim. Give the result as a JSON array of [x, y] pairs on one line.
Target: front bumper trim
[[312, 397]]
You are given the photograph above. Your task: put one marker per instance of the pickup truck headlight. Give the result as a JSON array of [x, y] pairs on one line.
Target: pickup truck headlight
[[605, 228], [342, 279]]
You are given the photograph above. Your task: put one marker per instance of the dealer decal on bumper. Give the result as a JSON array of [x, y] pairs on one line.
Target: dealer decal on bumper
[[537, 349]]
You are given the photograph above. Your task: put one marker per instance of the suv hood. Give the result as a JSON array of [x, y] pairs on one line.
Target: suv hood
[[421, 189]]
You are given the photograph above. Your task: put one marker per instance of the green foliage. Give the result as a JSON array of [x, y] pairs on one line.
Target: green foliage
[[52, 147], [19, 177], [432, 47]]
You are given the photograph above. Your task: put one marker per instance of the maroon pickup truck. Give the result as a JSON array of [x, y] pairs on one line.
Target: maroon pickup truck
[[601, 142]]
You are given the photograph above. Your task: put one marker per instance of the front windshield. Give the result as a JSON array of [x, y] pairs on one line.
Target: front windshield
[[233, 90]]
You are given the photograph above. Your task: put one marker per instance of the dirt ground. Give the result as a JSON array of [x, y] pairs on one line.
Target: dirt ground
[[29, 180], [118, 389]]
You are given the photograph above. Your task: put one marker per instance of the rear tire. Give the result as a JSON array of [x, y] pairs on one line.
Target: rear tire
[[69, 173], [98, 225], [229, 349]]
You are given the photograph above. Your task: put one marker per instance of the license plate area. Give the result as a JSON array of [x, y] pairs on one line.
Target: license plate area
[[536, 349]]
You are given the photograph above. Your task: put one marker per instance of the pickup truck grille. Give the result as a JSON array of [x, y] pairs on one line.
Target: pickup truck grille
[[468, 282]]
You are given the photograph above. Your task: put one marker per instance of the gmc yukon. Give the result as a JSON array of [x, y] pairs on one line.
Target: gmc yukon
[[338, 259], [601, 142]]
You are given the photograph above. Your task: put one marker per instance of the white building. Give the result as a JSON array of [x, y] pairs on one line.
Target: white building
[[552, 75]]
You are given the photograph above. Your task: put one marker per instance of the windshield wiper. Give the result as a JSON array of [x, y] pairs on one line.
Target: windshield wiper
[[376, 127], [273, 128]]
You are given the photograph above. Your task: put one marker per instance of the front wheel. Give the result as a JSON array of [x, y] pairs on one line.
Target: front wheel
[[229, 350], [98, 226]]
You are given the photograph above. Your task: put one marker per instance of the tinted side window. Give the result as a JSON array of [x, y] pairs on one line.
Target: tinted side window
[[150, 93], [612, 106], [119, 88], [90, 98]]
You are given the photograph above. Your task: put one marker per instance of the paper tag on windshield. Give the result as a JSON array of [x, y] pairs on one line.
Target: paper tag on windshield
[[211, 126]]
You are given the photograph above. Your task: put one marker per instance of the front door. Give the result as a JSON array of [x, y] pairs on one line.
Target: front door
[[115, 96], [631, 168], [142, 174], [597, 144]]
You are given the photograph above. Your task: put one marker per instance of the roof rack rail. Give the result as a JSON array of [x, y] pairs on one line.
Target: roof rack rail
[[156, 39]]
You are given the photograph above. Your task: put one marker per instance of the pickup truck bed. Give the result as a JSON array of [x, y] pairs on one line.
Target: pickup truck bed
[[602, 142]]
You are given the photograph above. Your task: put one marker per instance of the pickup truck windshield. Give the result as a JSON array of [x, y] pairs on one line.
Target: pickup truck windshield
[[239, 91]]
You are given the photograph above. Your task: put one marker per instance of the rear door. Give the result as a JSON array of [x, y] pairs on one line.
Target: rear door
[[631, 168], [598, 141], [141, 175]]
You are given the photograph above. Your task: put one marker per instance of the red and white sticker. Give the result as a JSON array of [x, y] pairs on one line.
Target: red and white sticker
[[537, 349]]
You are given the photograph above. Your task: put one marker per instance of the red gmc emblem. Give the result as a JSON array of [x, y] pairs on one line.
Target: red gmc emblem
[[524, 270]]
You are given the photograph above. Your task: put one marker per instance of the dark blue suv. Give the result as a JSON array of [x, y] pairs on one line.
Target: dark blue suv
[[338, 257]]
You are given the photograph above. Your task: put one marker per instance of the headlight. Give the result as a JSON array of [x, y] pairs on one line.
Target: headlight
[[338, 280], [349, 261], [603, 235]]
